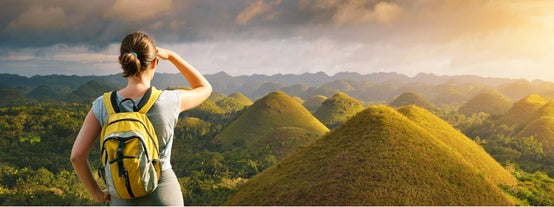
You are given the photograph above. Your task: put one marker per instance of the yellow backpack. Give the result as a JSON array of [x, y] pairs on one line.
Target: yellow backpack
[[129, 148]]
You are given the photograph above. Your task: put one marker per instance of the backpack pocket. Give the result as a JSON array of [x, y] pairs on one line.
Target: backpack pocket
[[130, 171]]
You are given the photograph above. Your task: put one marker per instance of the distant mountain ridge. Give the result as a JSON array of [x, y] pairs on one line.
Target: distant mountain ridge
[[309, 79], [375, 87]]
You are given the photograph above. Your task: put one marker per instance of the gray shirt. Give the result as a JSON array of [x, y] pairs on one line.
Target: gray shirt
[[163, 115]]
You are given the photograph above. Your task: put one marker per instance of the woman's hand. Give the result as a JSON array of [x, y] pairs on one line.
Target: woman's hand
[[102, 196], [163, 53]]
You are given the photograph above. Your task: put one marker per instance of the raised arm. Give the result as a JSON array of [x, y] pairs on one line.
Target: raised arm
[[201, 88]]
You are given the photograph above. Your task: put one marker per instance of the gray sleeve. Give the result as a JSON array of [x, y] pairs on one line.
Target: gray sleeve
[[170, 102], [99, 110]]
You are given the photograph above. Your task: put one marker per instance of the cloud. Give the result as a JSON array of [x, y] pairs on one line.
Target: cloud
[[137, 10], [348, 12], [258, 8], [40, 19], [357, 12]]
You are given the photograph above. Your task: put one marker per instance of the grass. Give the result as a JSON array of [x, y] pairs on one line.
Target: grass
[[409, 98], [523, 110], [314, 102], [337, 109], [490, 103], [378, 157], [234, 102], [543, 131], [275, 111]]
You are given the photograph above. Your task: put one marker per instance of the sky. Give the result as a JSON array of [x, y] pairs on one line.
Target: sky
[[490, 38]]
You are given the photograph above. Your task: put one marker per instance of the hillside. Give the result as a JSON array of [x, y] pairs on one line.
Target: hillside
[[543, 130], [378, 157], [461, 144], [409, 98], [490, 103], [11, 96], [337, 109], [234, 102], [523, 110], [259, 124], [314, 102], [546, 110]]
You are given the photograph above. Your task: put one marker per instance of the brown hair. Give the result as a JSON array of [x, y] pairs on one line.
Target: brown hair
[[136, 53]]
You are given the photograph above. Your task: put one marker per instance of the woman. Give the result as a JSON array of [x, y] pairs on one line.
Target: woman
[[139, 57]]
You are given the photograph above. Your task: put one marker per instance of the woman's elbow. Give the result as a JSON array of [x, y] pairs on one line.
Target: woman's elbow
[[77, 157]]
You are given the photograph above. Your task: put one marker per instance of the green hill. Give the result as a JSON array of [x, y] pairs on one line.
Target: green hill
[[259, 124], [234, 102], [322, 91], [546, 110], [464, 146], [517, 89], [89, 90], [46, 93], [314, 102], [216, 96], [378, 157], [409, 98], [490, 103], [337, 109], [523, 110], [9, 95], [543, 130]]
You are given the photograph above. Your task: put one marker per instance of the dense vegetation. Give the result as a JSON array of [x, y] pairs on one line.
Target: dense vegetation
[[36, 137]]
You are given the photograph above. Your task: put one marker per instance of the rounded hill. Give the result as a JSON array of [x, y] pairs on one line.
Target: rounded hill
[[466, 148], [490, 103], [337, 109], [314, 102], [275, 112], [543, 131], [234, 102], [523, 110], [378, 157], [409, 98]]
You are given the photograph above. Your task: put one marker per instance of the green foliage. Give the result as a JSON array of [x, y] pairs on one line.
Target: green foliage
[[36, 140], [24, 186], [533, 189]]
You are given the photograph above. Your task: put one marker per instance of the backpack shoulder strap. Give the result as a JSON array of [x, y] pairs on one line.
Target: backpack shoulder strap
[[109, 104], [148, 99]]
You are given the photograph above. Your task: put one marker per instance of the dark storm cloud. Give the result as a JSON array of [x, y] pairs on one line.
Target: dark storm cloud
[[34, 23]]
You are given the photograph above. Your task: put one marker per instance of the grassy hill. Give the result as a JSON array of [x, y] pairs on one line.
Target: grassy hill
[[267, 120], [545, 110], [409, 98], [314, 102], [234, 102], [523, 110], [11, 96], [378, 157], [460, 144], [490, 103], [543, 130], [337, 109]]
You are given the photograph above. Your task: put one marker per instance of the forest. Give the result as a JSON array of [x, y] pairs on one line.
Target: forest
[[252, 123]]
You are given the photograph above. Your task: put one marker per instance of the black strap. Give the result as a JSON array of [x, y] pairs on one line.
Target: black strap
[[136, 108]]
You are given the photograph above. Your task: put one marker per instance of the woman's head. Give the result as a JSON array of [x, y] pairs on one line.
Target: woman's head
[[137, 53]]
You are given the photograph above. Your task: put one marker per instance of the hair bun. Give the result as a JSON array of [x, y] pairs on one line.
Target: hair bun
[[130, 63]]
